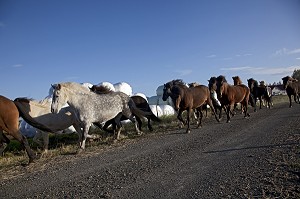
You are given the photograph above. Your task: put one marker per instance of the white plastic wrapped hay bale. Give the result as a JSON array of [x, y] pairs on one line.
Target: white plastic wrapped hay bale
[[108, 85], [157, 100], [160, 110], [156, 110], [167, 110], [123, 87]]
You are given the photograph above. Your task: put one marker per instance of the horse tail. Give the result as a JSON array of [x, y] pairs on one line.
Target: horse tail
[[29, 119], [154, 118]]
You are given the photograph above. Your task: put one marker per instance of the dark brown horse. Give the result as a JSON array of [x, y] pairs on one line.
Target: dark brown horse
[[260, 92], [292, 87], [230, 95], [9, 124], [185, 98], [140, 103]]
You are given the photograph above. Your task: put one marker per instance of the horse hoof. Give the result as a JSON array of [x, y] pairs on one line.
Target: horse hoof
[[188, 131]]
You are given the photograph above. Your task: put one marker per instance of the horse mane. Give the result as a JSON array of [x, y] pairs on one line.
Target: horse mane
[[75, 86], [23, 99], [101, 89]]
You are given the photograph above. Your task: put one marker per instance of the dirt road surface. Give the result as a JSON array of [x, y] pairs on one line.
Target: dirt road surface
[[247, 158]]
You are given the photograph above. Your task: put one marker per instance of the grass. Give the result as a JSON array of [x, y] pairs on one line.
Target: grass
[[65, 144]]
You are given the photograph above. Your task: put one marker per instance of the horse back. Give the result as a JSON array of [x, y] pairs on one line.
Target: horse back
[[200, 94], [238, 93]]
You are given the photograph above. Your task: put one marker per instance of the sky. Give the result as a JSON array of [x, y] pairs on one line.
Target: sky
[[144, 43]]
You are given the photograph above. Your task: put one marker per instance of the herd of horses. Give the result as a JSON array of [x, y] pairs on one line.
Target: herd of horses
[[103, 107]]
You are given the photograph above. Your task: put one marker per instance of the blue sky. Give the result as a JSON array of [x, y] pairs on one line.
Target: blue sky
[[145, 43]]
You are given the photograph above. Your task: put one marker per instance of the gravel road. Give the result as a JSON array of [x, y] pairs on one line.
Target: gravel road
[[241, 159]]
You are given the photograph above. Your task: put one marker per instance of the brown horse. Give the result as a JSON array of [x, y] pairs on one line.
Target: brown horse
[[140, 103], [292, 87], [185, 98], [230, 94], [237, 80], [9, 124]]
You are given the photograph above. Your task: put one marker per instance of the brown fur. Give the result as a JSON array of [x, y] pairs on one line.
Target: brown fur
[[185, 98], [9, 124], [292, 87], [230, 94]]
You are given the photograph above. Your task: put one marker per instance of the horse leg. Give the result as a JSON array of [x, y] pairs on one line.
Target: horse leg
[[210, 103], [139, 122], [84, 135], [179, 117], [22, 139], [290, 97], [118, 127], [200, 118], [3, 142], [42, 139], [149, 124], [188, 130], [229, 111]]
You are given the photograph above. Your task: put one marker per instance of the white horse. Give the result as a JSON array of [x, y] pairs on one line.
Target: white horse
[[93, 108], [40, 111]]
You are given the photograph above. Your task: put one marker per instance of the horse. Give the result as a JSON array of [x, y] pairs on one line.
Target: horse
[[292, 87], [93, 108], [140, 103], [260, 92], [9, 124], [237, 80], [212, 86], [230, 94], [185, 98], [40, 111]]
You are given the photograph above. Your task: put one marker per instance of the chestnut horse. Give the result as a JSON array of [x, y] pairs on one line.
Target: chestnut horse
[[292, 87], [185, 98], [140, 103], [230, 94], [9, 123]]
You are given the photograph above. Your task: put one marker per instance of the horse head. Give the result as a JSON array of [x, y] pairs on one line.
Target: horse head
[[167, 90], [286, 81], [58, 98], [236, 80], [251, 84], [212, 84], [221, 85]]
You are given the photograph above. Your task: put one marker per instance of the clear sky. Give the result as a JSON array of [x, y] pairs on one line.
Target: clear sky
[[145, 43]]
